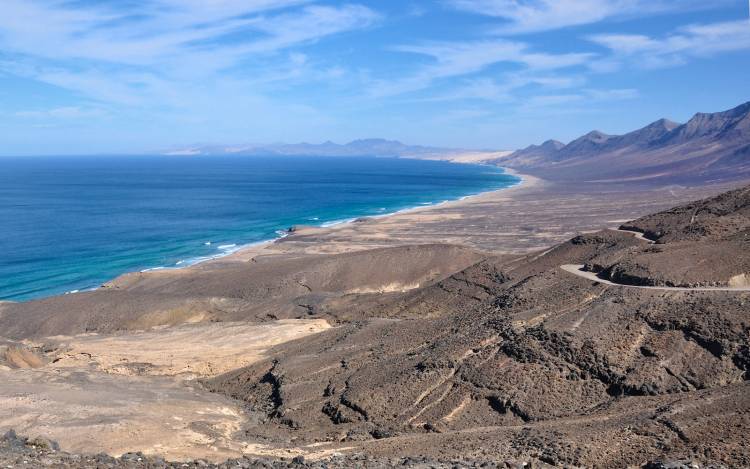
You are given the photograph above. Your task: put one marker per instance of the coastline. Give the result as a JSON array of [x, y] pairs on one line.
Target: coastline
[[350, 282], [242, 252], [249, 251], [528, 216]]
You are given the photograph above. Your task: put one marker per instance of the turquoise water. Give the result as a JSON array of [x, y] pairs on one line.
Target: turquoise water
[[72, 223]]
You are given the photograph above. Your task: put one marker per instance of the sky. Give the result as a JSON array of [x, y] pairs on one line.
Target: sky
[[133, 76]]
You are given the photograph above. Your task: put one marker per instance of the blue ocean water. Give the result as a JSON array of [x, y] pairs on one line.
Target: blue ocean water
[[72, 223]]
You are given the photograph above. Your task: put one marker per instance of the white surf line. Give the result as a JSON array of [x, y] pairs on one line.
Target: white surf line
[[577, 270]]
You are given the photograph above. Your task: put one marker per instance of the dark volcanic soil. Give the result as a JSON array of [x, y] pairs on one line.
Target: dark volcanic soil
[[444, 354], [704, 243], [18, 451], [726, 216], [519, 359], [287, 286]]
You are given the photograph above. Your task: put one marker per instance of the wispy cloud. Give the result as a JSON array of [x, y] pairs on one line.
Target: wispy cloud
[[677, 48], [456, 59], [170, 71], [62, 113], [104, 51], [111, 31], [506, 88], [524, 16], [582, 97]]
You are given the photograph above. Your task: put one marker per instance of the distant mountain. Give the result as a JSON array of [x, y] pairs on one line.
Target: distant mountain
[[586, 144], [727, 125], [536, 154], [368, 147], [709, 147]]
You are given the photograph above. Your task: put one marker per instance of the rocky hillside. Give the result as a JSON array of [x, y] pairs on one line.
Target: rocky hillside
[[521, 359], [17, 451], [440, 354], [724, 217], [709, 147], [263, 289], [696, 245]]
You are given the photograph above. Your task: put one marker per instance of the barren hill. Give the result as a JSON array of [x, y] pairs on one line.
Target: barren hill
[[426, 351], [521, 358], [709, 147]]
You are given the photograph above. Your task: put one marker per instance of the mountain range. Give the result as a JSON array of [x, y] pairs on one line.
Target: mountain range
[[364, 147], [708, 147]]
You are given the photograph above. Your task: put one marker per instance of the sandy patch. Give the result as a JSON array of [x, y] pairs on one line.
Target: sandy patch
[[472, 157], [20, 358], [191, 350], [136, 391], [312, 452], [389, 288], [95, 412], [740, 281]]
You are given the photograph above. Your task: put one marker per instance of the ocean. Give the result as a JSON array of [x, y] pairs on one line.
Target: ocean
[[68, 224]]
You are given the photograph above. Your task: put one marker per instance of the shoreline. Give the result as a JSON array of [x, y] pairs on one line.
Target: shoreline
[[248, 251], [242, 251], [524, 181]]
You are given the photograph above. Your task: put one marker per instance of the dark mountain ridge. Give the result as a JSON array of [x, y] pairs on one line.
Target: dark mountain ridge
[[709, 147], [734, 121]]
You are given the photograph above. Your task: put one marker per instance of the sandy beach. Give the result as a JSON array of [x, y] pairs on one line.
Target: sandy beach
[[530, 216]]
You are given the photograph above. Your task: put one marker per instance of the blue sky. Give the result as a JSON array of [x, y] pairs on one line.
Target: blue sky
[[119, 76]]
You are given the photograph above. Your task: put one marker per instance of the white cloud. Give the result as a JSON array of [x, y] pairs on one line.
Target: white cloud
[[523, 16], [312, 23], [455, 59], [484, 88], [460, 58], [584, 96], [105, 32], [675, 49], [65, 113], [107, 51], [504, 89]]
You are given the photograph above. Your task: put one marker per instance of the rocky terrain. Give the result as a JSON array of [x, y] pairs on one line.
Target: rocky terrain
[[711, 146], [16, 451], [265, 288], [518, 358], [360, 346], [445, 356], [698, 244]]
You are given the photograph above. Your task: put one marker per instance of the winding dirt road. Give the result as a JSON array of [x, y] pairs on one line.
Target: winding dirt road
[[578, 270], [637, 235]]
